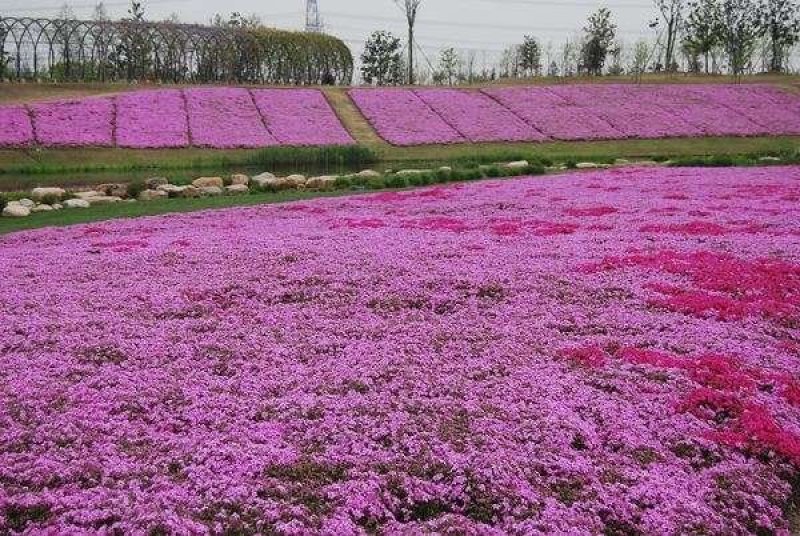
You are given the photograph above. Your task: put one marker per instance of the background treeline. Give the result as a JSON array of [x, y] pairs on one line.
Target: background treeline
[[733, 37], [236, 49]]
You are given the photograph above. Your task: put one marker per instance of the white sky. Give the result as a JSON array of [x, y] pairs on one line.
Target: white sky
[[486, 26]]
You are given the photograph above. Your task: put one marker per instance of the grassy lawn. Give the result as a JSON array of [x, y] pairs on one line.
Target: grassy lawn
[[151, 208]]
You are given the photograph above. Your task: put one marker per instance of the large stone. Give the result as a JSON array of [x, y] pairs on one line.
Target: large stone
[[42, 208], [295, 181], [211, 190], [587, 165], [272, 183], [239, 180], [519, 164], [262, 177], [103, 200], [321, 183], [87, 194], [769, 159], [368, 173], [76, 203], [208, 182], [237, 189], [15, 210], [154, 182], [57, 206], [171, 189], [190, 192], [152, 195], [41, 193], [27, 203], [113, 190], [411, 172]]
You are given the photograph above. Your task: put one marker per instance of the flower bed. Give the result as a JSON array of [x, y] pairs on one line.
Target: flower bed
[[152, 119], [553, 115], [225, 118], [602, 352], [88, 122], [478, 117], [629, 112], [585, 112], [402, 118], [15, 126], [300, 117]]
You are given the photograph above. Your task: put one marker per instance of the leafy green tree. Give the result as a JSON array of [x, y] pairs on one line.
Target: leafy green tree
[[642, 54], [779, 21], [449, 67], [381, 63], [739, 30], [702, 29], [530, 57], [599, 37]]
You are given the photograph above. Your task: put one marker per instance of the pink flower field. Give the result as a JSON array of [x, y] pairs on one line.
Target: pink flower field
[[581, 112], [611, 352], [217, 118]]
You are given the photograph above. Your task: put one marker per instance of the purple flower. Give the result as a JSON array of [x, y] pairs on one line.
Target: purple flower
[[300, 117], [15, 126], [152, 119], [85, 122]]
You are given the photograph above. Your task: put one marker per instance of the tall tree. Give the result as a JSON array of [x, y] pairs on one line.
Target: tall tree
[[380, 62], [599, 37], [780, 24], [672, 13], [738, 31], [530, 57], [702, 29], [449, 66], [411, 7]]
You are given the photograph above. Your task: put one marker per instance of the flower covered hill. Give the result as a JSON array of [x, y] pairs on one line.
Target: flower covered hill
[[578, 112], [213, 117], [615, 351]]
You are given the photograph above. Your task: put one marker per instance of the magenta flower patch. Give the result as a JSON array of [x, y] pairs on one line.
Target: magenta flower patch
[[87, 122], [477, 116], [402, 118], [606, 352], [152, 119], [15, 126], [300, 117], [553, 115], [225, 118]]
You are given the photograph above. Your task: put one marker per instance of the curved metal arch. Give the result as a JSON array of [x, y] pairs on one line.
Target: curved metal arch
[[80, 50]]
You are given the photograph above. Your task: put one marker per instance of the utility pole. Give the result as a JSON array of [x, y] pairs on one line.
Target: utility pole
[[313, 20]]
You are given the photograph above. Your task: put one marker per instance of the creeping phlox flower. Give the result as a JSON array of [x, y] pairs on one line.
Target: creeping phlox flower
[[300, 117], [402, 118], [477, 116], [15, 126], [206, 117], [605, 352], [225, 118], [580, 112], [152, 119], [88, 122]]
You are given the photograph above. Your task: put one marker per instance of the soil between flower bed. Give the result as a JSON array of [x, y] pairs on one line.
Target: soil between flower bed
[[612, 351]]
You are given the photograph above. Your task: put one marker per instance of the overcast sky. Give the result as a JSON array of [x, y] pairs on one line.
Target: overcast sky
[[486, 26]]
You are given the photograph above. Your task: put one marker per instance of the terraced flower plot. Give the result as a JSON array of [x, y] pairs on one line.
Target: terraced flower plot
[[610, 352], [217, 118], [580, 112]]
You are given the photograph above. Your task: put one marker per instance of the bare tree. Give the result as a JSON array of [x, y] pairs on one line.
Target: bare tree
[[672, 13], [411, 7]]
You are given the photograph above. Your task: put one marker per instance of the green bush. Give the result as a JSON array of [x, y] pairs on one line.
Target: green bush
[[395, 181], [442, 175], [50, 199], [495, 171], [571, 163], [536, 168], [376, 184], [343, 183], [467, 174], [3, 202], [135, 188]]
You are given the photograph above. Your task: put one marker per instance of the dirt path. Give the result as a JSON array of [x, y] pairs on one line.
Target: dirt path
[[351, 118]]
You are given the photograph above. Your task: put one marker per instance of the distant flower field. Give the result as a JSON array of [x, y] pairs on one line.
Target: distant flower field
[[578, 112], [202, 117], [611, 352]]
